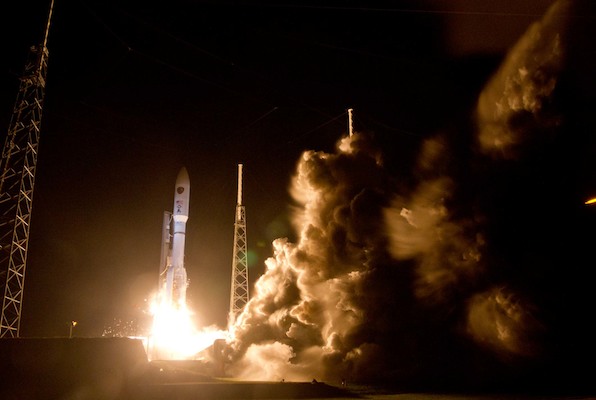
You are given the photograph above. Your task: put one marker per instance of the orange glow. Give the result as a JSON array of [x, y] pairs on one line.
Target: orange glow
[[591, 201], [174, 335]]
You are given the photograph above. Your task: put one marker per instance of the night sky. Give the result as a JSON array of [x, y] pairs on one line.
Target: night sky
[[136, 90]]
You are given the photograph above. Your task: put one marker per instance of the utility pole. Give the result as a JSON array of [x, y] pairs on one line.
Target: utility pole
[[18, 165], [239, 287]]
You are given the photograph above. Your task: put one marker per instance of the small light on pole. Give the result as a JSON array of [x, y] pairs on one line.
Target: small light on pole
[[72, 325]]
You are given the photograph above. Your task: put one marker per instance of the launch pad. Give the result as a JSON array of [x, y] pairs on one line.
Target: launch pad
[[118, 368], [53, 368]]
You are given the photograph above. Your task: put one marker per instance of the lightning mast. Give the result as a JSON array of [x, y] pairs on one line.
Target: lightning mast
[[18, 165], [350, 122], [239, 287]]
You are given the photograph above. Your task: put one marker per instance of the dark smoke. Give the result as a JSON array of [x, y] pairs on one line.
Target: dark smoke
[[476, 275]]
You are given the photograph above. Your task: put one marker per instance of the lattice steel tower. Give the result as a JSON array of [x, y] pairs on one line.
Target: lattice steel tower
[[18, 164], [239, 288]]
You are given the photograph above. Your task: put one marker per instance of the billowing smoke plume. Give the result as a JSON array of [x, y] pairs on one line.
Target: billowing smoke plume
[[316, 307], [455, 276]]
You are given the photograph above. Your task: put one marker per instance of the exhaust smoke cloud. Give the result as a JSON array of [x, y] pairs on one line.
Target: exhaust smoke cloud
[[466, 274]]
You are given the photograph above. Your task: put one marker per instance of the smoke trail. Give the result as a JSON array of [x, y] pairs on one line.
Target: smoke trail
[[436, 283]]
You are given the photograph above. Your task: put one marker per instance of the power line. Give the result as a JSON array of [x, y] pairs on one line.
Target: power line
[[411, 10]]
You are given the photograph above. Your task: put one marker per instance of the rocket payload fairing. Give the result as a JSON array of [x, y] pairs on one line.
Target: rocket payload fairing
[[173, 278]]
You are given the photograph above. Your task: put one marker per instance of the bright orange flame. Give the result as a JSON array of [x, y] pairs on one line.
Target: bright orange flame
[[174, 335], [591, 201]]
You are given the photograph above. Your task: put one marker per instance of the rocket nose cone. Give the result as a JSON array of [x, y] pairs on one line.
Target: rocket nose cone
[[181, 194], [182, 179]]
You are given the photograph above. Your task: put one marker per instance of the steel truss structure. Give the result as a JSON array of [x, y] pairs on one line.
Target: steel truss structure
[[239, 289], [18, 165]]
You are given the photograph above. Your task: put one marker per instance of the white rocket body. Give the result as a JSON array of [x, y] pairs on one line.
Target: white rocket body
[[176, 281]]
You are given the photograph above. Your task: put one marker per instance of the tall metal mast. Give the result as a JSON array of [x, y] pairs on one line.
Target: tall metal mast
[[239, 287], [18, 164], [350, 122]]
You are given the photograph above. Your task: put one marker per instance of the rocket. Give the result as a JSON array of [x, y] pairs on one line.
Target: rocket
[[175, 282]]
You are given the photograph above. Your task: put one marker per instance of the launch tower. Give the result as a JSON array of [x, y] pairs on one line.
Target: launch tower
[[239, 287], [17, 166]]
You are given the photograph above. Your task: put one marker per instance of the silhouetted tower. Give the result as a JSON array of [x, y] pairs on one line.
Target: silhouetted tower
[[239, 289], [18, 164]]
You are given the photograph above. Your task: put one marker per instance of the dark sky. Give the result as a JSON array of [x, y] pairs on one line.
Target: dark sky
[[136, 90]]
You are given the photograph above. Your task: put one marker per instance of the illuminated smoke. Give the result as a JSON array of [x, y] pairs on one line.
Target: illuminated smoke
[[498, 319], [429, 282], [466, 230], [519, 128], [517, 104], [308, 308]]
